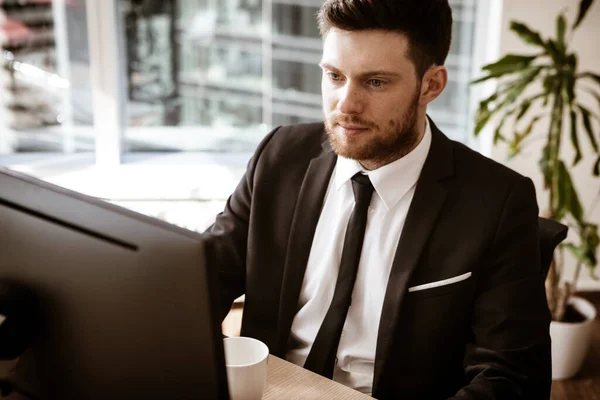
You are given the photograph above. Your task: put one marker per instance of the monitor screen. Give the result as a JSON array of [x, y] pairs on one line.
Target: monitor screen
[[127, 301]]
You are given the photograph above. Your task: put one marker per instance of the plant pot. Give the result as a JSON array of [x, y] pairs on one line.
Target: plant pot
[[571, 341]]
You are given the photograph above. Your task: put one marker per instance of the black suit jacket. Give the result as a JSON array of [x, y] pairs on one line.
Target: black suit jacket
[[482, 338]]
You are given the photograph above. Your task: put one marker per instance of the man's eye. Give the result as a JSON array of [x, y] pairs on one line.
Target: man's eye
[[375, 83], [334, 77]]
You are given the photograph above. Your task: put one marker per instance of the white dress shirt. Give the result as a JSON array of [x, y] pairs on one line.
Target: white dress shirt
[[394, 186]]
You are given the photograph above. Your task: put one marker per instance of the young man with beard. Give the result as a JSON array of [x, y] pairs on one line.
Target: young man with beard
[[374, 250]]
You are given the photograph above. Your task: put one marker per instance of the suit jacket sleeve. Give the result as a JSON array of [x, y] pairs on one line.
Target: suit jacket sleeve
[[509, 356], [226, 240]]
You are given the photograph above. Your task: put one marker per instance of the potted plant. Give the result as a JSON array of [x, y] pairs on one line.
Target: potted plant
[[548, 83]]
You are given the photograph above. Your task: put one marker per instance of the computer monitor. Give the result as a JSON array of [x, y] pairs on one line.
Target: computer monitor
[[127, 301]]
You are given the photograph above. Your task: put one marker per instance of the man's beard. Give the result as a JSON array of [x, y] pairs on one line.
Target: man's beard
[[390, 143]]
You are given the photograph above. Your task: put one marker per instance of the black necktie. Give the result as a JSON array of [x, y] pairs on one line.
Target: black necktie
[[321, 358]]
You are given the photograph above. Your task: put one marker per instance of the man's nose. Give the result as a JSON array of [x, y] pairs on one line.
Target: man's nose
[[351, 101]]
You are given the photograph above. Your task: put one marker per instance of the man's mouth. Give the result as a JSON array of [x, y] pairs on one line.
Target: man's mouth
[[351, 130]]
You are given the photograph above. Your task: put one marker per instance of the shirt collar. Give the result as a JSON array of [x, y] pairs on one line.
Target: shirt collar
[[394, 180]]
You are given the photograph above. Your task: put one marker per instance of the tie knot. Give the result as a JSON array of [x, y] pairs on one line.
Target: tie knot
[[362, 187]]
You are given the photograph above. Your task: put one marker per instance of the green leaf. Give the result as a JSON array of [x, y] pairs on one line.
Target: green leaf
[[575, 138], [491, 98], [584, 6], [526, 105], [501, 68], [530, 101], [572, 61], [558, 52], [528, 35], [482, 116], [591, 76], [498, 137], [482, 79], [596, 96], [568, 198], [549, 83], [596, 170], [498, 131], [523, 109], [515, 144], [587, 124], [509, 63], [490, 76], [561, 193], [510, 93], [544, 164], [569, 82], [513, 90], [555, 52], [529, 128], [577, 251], [590, 242], [546, 98], [561, 29], [569, 91], [574, 204], [484, 113]]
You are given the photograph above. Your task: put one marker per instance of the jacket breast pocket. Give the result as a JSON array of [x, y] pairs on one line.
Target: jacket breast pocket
[[459, 284]]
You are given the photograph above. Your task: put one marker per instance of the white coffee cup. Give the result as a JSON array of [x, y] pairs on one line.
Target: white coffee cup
[[246, 362]]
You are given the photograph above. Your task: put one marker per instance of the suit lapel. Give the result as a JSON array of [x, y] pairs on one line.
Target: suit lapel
[[304, 223], [426, 204]]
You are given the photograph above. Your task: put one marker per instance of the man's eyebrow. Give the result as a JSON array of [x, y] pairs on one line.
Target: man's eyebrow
[[329, 67], [367, 74]]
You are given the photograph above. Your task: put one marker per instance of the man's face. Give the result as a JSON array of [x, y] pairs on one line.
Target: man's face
[[370, 95]]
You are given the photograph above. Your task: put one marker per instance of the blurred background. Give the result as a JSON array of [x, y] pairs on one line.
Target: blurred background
[[148, 101], [157, 105]]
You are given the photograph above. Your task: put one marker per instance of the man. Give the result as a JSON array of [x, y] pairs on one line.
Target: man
[[447, 300]]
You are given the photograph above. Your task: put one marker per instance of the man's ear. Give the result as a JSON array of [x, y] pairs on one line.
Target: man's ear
[[433, 83]]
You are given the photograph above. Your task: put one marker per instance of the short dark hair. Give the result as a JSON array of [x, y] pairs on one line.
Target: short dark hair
[[426, 23]]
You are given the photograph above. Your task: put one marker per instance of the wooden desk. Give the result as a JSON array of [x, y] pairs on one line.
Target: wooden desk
[[303, 384], [290, 382]]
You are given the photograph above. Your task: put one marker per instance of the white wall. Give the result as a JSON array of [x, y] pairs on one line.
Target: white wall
[[540, 15]]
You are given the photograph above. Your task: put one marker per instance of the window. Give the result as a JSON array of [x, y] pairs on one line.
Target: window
[[217, 76], [140, 87], [224, 73], [451, 111], [44, 82]]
